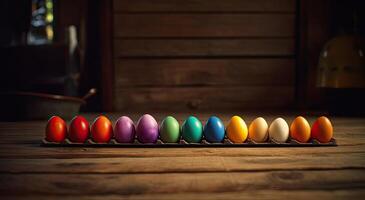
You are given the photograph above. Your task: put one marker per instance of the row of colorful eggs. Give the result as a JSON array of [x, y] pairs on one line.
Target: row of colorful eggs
[[192, 131]]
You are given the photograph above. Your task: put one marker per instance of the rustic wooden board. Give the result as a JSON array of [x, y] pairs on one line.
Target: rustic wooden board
[[203, 98], [30, 171], [204, 25], [185, 72], [260, 194], [129, 184], [133, 6], [204, 47], [33, 151], [170, 31], [185, 164]]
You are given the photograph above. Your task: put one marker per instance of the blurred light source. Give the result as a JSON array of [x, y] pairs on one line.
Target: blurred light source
[[342, 63], [42, 21]]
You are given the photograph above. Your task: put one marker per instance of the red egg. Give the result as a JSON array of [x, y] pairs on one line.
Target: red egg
[[101, 130], [56, 129], [322, 130], [79, 130]]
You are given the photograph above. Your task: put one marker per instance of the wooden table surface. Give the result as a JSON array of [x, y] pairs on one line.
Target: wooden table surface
[[34, 172]]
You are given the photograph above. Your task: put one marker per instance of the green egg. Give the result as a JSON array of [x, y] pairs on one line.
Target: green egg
[[170, 130], [192, 130]]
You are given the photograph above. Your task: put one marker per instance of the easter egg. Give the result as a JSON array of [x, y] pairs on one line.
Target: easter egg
[[237, 130], [124, 130], [300, 129], [214, 130], [279, 130], [79, 130], [56, 129], [101, 130], [192, 130], [170, 130], [258, 130], [322, 130], [147, 129]]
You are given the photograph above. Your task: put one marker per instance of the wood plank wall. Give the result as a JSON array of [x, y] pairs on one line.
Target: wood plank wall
[[203, 54]]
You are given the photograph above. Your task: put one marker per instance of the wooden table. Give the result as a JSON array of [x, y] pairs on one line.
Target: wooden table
[[34, 172]]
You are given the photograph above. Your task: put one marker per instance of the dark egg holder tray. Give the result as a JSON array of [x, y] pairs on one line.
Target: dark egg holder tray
[[204, 143]]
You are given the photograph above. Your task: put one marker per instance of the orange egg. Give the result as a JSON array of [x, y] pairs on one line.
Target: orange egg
[[300, 129], [101, 130], [322, 130]]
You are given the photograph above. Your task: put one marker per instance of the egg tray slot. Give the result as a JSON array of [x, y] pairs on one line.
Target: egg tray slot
[[182, 143]]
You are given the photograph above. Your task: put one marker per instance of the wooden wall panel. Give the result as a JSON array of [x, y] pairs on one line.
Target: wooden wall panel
[[203, 47], [202, 98], [204, 25], [193, 72], [203, 54], [204, 6]]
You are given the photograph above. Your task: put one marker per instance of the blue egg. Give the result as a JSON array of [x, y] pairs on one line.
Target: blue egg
[[214, 130]]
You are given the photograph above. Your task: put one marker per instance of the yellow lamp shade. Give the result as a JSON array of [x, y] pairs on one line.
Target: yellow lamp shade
[[342, 63]]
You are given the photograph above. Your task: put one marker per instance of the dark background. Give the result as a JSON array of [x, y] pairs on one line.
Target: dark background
[[185, 55]]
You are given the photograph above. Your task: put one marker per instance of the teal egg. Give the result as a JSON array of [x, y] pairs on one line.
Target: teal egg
[[170, 130], [192, 130]]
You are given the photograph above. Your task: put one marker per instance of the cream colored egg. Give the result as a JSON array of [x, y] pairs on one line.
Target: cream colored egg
[[279, 130], [258, 130]]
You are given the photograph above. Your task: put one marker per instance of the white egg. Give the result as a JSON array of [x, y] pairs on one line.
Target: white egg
[[257, 130], [279, 130]]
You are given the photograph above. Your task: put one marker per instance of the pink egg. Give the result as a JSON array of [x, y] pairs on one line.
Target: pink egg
[[124, 130]]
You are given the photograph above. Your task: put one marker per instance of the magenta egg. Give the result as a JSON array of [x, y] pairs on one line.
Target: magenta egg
[[147, 129], [124, 130]]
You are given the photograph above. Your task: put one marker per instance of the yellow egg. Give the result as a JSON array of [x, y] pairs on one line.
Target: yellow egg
[[258, 130], [237, 130]]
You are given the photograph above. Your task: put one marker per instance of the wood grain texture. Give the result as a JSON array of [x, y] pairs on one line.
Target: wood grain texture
[[203, 47], [204, 25], [204, 6], [158, 47], [33, 151], [30, 171], [132, 184], [260, 194], [247, 194], [204, 72], [202, 98], [187, 164]]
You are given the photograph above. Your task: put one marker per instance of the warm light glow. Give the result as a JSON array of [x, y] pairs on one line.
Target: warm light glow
[[49, 4], [49, 31], [49, 18]]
